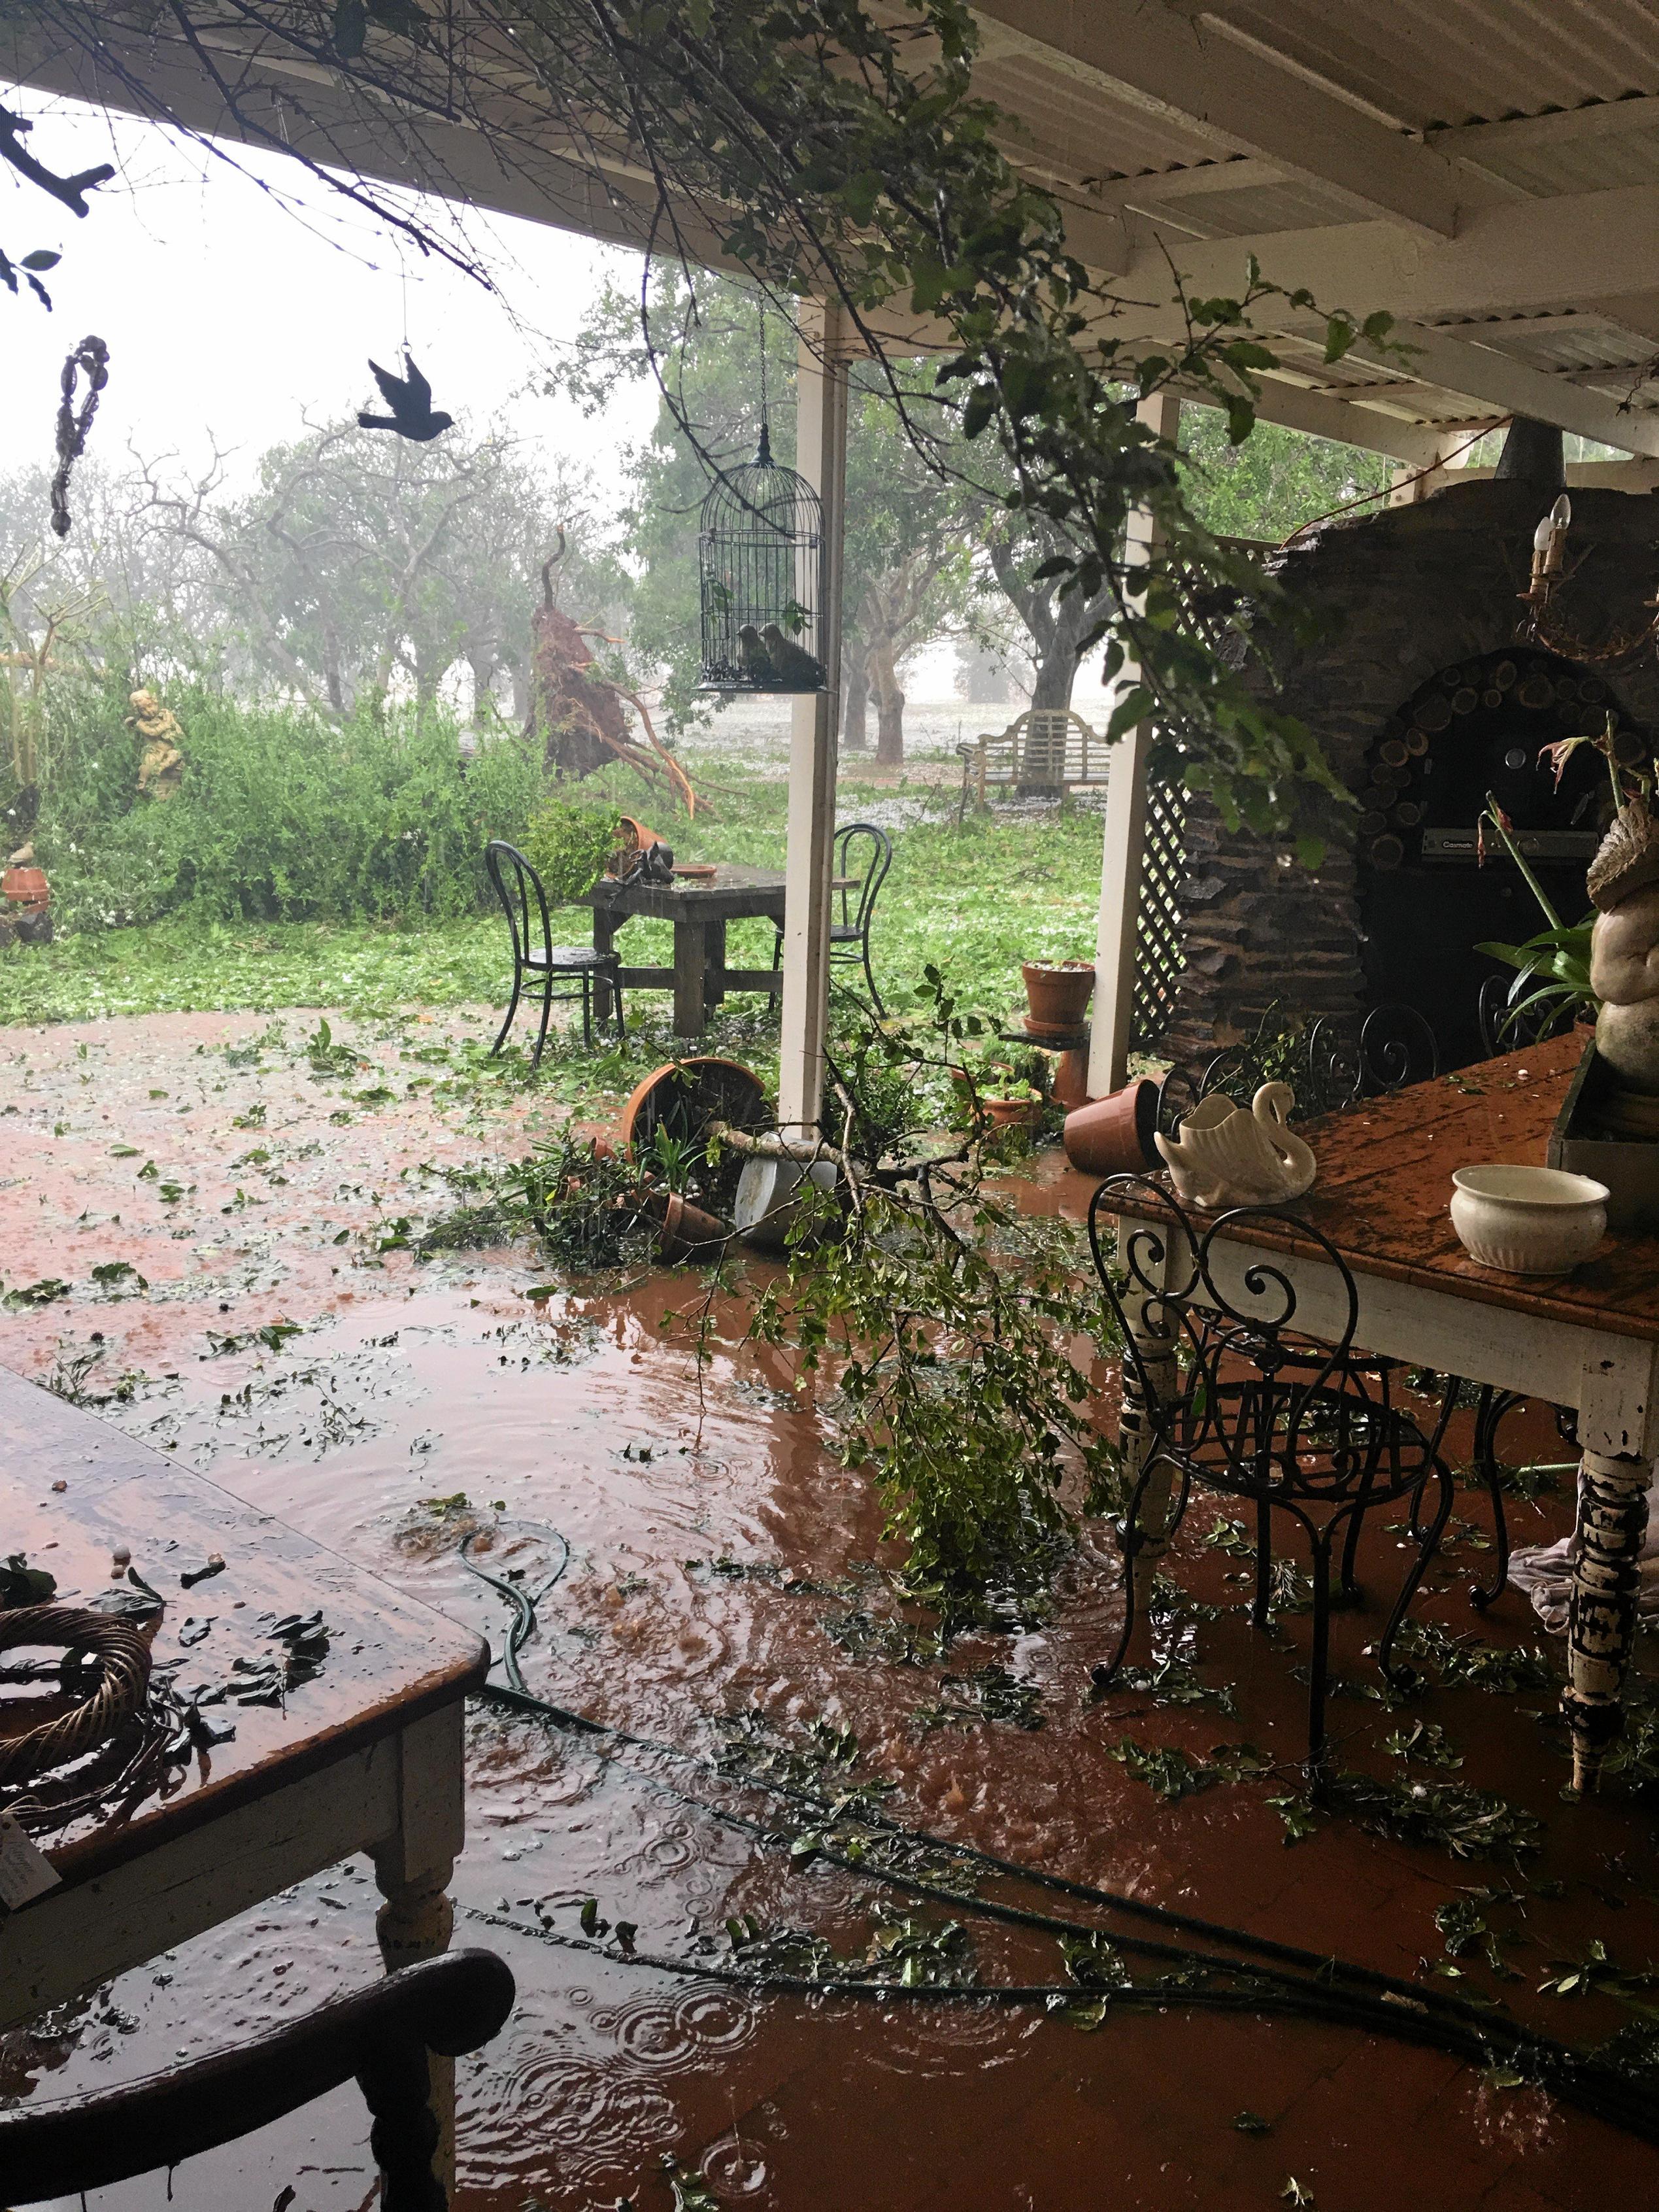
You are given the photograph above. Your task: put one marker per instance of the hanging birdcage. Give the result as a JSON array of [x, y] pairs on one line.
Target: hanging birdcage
[[758, 555]]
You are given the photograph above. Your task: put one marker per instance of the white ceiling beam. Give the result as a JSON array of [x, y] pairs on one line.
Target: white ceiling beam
[[1243, 173], [1519, 389], [1590, 248], [1636, 315], [1298, 408], [1169, 66], [1565, 126]]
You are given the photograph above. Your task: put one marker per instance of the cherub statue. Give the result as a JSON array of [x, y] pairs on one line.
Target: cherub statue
[[161, 767]]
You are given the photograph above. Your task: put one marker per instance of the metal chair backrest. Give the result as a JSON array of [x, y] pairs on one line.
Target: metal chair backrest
[[503, 861], [864, 871], [1504, 1028], [1215, 1315], [1395, 1046]]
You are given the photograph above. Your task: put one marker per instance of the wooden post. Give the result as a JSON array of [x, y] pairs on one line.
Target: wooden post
[[821, 457], [1126, 822]]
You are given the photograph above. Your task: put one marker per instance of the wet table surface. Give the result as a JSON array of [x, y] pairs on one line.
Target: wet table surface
[[1383, 1192], [390, 1666]]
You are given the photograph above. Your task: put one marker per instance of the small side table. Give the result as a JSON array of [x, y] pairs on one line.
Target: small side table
[[1071, 1077]]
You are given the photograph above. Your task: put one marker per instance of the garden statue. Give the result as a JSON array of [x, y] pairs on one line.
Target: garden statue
[[1624, 960], [161, 767]]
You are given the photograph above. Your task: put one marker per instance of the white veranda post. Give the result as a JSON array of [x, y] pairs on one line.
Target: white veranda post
[[821, 458], [1125, 838]]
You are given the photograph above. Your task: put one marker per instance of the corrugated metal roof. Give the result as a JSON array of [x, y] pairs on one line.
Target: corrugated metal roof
[[1426, 62]]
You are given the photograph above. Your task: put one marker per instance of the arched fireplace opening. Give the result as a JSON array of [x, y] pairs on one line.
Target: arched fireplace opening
[[1420, 605], [1426, 895]]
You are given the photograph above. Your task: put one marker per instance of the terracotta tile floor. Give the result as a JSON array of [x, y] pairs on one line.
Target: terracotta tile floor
[[412, 1383]]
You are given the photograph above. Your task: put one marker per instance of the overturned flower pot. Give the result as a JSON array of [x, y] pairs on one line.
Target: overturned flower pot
[[1114, 1135], [769, 1197], [687, 1232]]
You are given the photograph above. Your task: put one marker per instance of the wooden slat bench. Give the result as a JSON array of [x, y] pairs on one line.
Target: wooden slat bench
[[1046, 749]]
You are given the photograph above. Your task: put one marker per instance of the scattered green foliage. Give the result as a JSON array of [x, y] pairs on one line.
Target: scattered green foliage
[[1174, 1774], [568, 844]]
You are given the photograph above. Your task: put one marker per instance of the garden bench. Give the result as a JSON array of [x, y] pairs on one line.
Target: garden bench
[[1046, 749]]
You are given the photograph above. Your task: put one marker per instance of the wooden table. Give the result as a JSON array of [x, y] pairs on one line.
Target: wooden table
[[699, 911], [1590, 1339], [366, 1757]]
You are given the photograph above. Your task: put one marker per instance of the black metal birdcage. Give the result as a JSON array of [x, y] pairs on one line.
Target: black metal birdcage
[[759, 552]]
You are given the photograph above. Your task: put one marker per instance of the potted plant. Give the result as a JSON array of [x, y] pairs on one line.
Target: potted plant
[[1010, 1101], [1057, 994]]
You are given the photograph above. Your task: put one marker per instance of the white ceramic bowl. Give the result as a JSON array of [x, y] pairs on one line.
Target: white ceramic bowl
[[1528, 1221]]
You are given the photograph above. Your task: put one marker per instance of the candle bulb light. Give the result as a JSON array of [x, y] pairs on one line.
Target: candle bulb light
[[1549, 545]]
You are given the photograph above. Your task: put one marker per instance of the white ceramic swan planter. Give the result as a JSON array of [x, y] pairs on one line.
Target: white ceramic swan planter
[[1222, 1156]]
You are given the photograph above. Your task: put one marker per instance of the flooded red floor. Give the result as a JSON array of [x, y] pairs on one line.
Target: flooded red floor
[[723, 1566]]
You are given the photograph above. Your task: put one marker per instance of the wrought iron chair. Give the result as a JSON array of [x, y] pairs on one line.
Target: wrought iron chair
[[1503, 1029], [863, 855], [1394, 1045], [381, 2035], [1220, 1390], [536, 955]]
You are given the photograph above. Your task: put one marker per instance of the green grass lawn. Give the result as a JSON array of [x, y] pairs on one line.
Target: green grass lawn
[[977, 901]]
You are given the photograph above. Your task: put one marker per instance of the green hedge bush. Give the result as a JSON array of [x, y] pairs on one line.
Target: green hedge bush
[[280, 815]]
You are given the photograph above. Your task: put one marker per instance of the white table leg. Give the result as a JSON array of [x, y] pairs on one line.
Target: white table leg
[[1612, 1519], [412, 1869]]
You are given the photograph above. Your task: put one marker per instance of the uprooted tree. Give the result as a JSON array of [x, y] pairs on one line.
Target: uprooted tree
[[579, 712]]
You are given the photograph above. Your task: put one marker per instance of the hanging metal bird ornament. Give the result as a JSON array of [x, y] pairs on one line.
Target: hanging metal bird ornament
[[410, 397]]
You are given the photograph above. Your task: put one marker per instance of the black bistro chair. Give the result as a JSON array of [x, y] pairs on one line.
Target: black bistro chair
[[863, 855], [381, 2035], [1395, 1046], [535, 954], [1220, 1390]]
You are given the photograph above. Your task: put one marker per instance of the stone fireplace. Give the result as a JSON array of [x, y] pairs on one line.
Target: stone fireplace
[[1424, 699]]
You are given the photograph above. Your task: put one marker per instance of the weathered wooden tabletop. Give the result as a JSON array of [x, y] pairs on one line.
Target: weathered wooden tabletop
[[389, 1659], [1384, 1188], [733, 893]]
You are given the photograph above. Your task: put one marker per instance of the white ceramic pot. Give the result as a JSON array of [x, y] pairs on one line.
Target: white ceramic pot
[[1528, 1221]]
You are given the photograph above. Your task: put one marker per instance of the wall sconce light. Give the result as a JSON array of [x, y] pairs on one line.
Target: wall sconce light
[[1549, 545]]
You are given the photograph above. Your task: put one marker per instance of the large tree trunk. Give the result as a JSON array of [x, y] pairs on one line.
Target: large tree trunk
[[889, 705], [1057, 656], [855, 705]]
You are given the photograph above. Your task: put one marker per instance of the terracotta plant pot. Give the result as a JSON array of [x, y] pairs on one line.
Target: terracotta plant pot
[[1057, 992], [689, 1094], [25, 891], [1113, 1135], [1070, 1086], [1013, 1113], [688, 1233]]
